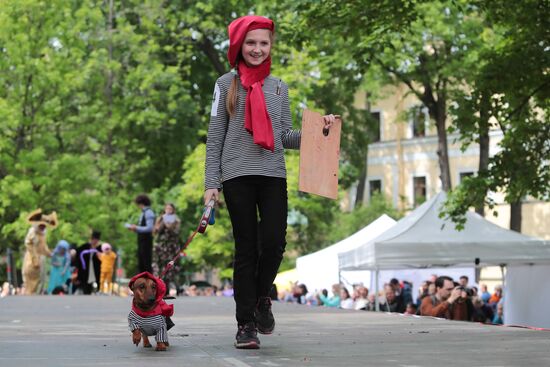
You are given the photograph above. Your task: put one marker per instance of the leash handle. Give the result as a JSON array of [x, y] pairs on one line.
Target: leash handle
[[207, 216]]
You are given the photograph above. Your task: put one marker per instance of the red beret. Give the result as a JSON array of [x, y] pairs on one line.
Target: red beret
[[239, 28], [161, 287]]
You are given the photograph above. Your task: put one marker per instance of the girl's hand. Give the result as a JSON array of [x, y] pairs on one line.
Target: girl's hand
[[329, 120], [211, 194]]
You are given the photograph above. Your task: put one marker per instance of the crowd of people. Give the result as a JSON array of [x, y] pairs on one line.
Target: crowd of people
[[89, 268], [440, 296]]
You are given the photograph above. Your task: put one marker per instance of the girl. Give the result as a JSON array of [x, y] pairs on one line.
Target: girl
[[107, 257], [333, 301], [250, 125], [346, 302], [61, 262]]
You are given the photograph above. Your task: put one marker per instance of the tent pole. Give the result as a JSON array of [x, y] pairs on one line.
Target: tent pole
[[503, 278], [376, 300]]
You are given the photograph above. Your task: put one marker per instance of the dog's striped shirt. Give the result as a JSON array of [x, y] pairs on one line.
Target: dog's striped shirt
[[152, 325]]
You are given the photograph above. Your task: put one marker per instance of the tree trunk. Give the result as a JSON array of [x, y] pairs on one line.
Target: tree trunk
[[360, 188], [483, 164], [440, 115], [363, 175], [438, 111], [213, 55], [515, 216], [483, 143]]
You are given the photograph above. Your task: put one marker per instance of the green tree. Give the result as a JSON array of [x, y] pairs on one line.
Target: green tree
[[428, 46], [102, 100], [91, 115], [508, 91]]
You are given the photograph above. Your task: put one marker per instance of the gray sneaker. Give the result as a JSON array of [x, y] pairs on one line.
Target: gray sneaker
[[265, 322], [247, 337]]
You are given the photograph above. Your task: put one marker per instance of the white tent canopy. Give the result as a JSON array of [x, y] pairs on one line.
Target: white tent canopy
[[319, 270], [423, 239]]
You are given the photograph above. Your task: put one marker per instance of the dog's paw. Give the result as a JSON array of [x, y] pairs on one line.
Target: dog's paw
[[161, 346], [146, 342], [136, 337]]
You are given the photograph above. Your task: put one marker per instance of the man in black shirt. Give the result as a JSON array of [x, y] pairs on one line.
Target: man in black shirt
[[394, 302], [144, 231]]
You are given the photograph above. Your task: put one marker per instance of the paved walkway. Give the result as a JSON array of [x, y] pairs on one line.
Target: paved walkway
[[92, 331]]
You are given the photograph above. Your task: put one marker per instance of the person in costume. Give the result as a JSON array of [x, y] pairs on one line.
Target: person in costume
[[167, 231], [88, 265], [35, 248], [107, 257], [250, 126], [61, 263]]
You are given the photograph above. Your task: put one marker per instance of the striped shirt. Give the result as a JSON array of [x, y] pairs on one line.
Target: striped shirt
[[230, 149], [152, 325]]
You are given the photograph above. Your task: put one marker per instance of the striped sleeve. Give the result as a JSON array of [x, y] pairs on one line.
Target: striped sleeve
[[290, 138], [132, 321], [217, 129]]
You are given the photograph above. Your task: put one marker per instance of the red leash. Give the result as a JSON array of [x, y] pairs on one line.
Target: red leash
[[206, 219]]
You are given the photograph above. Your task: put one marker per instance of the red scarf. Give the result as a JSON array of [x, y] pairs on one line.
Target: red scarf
[[256, 119], [161, 307]]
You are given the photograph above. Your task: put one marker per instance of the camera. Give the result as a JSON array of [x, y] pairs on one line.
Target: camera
[[468, 291]]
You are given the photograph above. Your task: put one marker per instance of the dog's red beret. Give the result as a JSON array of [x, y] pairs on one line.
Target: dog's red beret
[[162, 307]]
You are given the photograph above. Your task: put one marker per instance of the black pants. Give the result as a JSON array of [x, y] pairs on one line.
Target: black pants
[[145, 252], [259, 241]]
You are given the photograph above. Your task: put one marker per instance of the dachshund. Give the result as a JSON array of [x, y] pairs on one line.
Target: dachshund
[[150, 315]]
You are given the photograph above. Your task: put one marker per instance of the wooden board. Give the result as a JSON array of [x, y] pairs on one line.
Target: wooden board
[[319, 156]]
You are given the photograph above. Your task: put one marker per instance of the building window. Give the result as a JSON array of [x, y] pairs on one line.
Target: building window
[[375, 187], [463, 175], [374, 127], [419, 119], [419, 190]]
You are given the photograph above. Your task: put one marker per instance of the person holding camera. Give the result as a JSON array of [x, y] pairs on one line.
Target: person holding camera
[[448, 302]]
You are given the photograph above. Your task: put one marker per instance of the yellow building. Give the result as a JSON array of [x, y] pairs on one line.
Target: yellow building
[[403, 163]]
